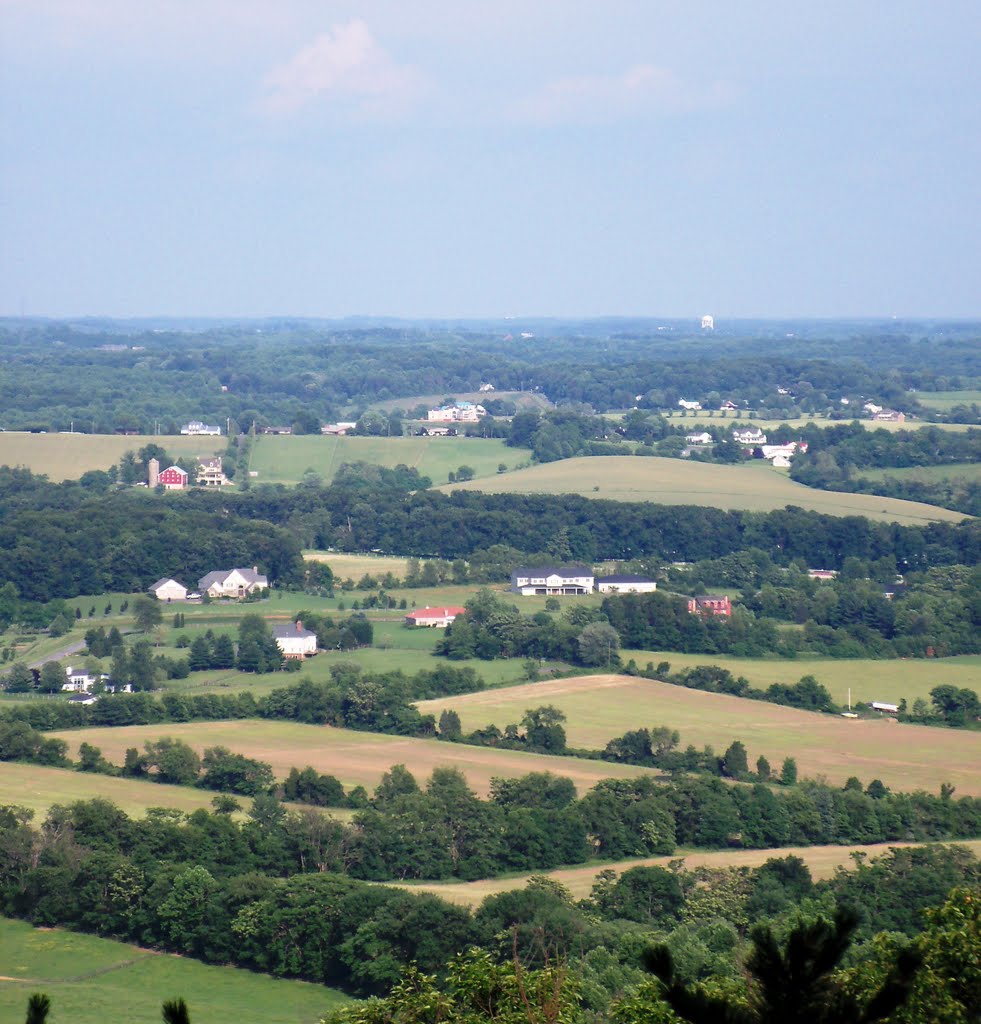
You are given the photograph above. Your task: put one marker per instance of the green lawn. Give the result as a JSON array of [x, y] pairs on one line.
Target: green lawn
[[756, 486], [94, 981], [68, 456], [285, 459], [946, 400], [926, 474], [598, 708]]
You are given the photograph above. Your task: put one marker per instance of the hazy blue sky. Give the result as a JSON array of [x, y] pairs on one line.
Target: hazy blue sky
[[413, 157]]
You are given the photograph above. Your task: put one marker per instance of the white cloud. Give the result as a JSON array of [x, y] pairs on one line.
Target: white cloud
[[344, 65], [641, 89]]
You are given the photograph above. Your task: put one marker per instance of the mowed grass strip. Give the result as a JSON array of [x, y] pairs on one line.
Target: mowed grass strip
[[598, 708], [755, 487], [823, 862], [285, 459], [68, 456], [356, 758], [926, 474], [524, 400], [868, 679], [89, 980], [948, 399]]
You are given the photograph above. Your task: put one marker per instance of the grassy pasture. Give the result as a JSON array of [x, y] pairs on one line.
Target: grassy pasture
[[756, 487], [823, 861], [37, 788], [869, 679], [284, 460], [356, 758], [904, 757], [524, 400], [89, 980], [68, 456], [947, 399], [926, 474], [347, 566]]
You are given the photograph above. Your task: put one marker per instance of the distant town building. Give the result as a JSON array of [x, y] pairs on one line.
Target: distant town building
[[486, 387], [689, 406], [276, 431], [708, 322], [196, 427], [889, 416], [153, 472], [822, 574], [339, 429], [699, 439], [751, 435]]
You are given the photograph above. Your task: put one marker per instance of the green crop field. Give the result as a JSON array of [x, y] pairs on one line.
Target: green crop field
[[68, 456], [356, 758], [926, 474], [948, 399], [823, 862], [757, 487], [91, 981], [284, 460], [868, 679], [598, 708], [524, 400]]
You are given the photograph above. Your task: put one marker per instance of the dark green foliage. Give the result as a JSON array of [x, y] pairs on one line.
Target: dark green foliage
[[790, 982], [175, 1012], [38, 1008]]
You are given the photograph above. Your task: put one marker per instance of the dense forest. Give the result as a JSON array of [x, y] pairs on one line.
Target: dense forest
[[107, 377]]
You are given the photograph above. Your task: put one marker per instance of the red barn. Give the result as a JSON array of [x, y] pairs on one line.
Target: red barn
[[173, 478]]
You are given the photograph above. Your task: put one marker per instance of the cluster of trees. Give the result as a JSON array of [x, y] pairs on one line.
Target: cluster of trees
[[62, 540], [271, 893], [838, 456]]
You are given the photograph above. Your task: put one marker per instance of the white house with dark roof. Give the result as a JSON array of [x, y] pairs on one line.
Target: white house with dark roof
[[625, 583], [295, 641], [551, 580], [751, 435], [232, 582], [168, 590]]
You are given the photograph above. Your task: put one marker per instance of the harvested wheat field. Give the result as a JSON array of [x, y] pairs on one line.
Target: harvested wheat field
[[598, 708], [356, 758], [823, 861]]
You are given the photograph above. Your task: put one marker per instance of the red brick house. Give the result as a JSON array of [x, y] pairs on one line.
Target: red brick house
[[710, 604]]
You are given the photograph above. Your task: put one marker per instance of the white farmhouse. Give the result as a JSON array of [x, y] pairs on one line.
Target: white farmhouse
[[552, 580], [295, 641]]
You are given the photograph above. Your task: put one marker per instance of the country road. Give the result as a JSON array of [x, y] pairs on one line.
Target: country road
[[62, 652]]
